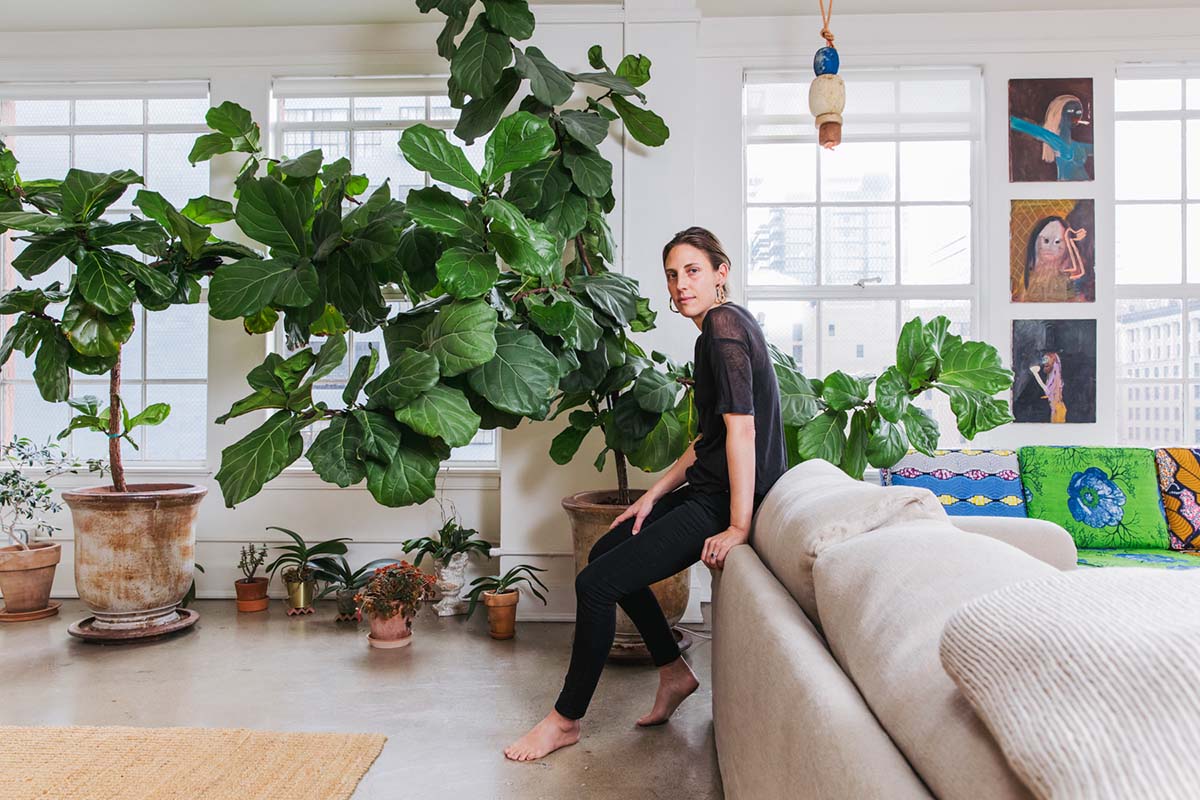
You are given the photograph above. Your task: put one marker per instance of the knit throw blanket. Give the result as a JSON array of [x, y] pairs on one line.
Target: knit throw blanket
[[1087, 680]]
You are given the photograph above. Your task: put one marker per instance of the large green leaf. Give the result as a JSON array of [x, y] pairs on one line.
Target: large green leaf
[[555, 319], [854, 457], [274, 214], [566, 444], [467, 273], [886, 445], [50, 370], [525, 185], [430, 151], [334, 452], [412, 374], [44, 252], [843, 392], [85, 195], [440, 211], [797, 401], [635, 69], [407, 479], [642, 123], [191, 234], [482, 55], [103, 285], [548, 83], [462, 336], [453, 26], [667, 441], [824, 437], [556, 183], [607, 80], [299, 286], [655, 391], [441, 413], [591, 172], [246, 465], [406, 330], [524, 245], [892, 394], [975, 411], [157, 282], [33, 301], [481, 114], [261, 398], [973, 365], [235, 122], [511, 17], [144, 234], [302, 166], [568, 217], [915, 355], [586, 127], [245, 287], [94, 333], [521, 377], [519, 140], [628, 425], [380, 434], [364, 369], [921, 429], [614, 294], [351, 287], [208, 145], [28, 221]]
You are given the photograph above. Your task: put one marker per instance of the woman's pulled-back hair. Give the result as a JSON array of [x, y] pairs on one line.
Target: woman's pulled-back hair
[[701, 239]]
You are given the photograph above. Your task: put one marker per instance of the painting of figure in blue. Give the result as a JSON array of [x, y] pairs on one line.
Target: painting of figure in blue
[[1050, 130]]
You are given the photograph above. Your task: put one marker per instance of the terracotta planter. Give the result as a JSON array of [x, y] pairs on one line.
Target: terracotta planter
[[390, 632], [591, 513], [502, 613], [251, 594], [26, 575], [300, 596], [134, 553]]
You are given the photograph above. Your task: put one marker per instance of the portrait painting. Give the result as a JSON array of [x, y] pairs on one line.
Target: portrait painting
[[1052, 251], [1050, 130], [1054, 370]]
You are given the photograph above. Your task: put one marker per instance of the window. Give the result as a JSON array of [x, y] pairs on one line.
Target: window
[[873, 233], [362, 120], [150, 128], [1157, 172]]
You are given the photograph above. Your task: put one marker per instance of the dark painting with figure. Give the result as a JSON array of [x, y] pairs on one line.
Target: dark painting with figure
[[1050, 130], [1054, 370], [1052, 251]]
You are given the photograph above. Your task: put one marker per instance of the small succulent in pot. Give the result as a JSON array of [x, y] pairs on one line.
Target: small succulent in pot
[[344, 583], [251, 590], [390, 599], [499, 593], [298, 562]]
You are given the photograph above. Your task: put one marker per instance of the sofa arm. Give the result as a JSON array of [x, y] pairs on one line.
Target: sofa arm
[[1041, 539]]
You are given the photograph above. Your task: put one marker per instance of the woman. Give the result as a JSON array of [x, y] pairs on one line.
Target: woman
[[737, 457], [1069, 157], [1054, 265]]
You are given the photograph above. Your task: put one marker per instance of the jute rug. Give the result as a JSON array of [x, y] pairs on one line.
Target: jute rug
[[181, 764]]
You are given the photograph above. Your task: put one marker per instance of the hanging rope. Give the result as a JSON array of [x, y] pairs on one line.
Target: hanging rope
[[826, 34]]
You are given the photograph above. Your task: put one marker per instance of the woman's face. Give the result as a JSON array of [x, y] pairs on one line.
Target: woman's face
[[1051, 244], [692, 281]]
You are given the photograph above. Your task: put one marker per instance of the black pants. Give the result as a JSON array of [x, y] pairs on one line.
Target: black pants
[[621, 567]]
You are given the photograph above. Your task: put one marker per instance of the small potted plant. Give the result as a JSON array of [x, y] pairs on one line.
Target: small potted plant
[[299, 568], [27, 567], [500, 595], [390, 599], [251, 590], [450, 549], [344, 583]]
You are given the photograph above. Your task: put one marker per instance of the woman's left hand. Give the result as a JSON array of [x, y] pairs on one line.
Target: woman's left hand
[[717, 547]]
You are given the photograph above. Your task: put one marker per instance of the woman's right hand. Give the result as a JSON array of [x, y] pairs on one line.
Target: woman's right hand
[[638, 510]]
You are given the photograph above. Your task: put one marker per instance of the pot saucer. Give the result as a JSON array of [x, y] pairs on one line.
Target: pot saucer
[[84, 630], [389, 644], [25, 616]]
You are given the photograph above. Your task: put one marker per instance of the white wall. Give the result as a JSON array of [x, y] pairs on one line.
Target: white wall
[[695, 178]]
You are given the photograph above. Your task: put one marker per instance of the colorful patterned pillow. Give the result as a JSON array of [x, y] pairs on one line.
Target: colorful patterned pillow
[[969, 483], [1179, 482], [1106, 497], [1146, 559]]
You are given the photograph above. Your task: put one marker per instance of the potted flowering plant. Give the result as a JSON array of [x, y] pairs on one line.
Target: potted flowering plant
[[450, 549], [251, 590], [499, 593], [343, 582], [391, 599], [27, 567]]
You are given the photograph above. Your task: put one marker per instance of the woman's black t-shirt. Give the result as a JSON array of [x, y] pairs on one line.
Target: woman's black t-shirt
[[734, 375]]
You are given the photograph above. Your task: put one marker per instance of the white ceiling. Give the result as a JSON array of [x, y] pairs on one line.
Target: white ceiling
[[30, 15]]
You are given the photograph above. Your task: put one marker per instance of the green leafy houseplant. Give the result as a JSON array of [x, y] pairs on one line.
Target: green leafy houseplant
[[451, 539], [337, 575], [299, 560], [251, 559], [511, 304], [25, 500], [508, 582], [63, 219], [844, 422], [395, 589]]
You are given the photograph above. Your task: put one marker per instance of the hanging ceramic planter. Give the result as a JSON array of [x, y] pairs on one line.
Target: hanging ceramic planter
[[827, 92]]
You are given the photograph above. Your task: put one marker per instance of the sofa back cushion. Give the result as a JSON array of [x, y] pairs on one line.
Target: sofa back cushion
[[815, 505], [883, 601], [1103, 496], [1179, 484], [969, 483]]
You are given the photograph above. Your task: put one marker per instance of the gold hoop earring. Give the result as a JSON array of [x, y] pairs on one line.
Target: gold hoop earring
[[721, 296], [671, 303]]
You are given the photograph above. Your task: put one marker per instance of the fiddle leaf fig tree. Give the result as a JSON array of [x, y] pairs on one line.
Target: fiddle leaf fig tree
[[504, 266], [82, 327], [844, 420]]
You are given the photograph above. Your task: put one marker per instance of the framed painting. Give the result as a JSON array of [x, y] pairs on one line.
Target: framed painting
[[1054, 370], [1050, 130], [1052, 251]]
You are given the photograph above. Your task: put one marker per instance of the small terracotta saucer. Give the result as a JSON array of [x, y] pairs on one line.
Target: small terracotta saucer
[[389, 644], [25, 616]]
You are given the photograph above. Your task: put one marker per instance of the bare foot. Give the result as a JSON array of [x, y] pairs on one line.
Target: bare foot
[[550, 734], [675, 682]]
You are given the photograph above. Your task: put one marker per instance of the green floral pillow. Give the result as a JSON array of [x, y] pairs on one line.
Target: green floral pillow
[[1104, 496]]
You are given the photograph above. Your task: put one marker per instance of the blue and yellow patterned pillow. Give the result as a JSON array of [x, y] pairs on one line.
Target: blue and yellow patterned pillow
[[969, 483]]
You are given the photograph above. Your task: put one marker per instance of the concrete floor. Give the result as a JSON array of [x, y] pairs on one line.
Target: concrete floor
[[448, 704]]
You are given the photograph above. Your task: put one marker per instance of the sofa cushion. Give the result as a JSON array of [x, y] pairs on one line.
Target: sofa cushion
[[1179, 483], [969, 483], [1043, 540], [815, 505], [883, 600], [1103, 496], [1084, 679], [1149, 559]]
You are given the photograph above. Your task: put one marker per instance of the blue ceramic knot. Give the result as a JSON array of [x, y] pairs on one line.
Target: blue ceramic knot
[[826, 61]]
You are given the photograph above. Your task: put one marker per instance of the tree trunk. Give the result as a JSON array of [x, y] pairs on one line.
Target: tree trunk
[[622, 479], [114, 427]]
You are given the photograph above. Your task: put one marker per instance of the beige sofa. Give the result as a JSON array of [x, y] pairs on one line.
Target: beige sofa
[[826, 677]]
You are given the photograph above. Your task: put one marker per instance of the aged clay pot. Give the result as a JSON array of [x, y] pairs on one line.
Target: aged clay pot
[[502, 613], [251, 594], [134, 552], [591, 513], [26, 575], [390, 632]]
